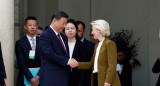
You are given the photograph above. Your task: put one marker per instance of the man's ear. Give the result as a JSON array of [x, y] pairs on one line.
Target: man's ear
[[54, 19], [25, 27]]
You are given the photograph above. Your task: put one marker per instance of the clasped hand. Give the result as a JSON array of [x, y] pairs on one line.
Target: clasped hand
[[34, 81], [73, 63]]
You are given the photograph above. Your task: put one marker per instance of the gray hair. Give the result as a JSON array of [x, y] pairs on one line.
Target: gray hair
[[101, 25]]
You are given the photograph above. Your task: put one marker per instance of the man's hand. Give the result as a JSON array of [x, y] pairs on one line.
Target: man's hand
[[34, 82], [5, 82], [73, 63], [37, 78]]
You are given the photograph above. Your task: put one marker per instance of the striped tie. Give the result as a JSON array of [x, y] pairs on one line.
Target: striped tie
[[33, 44]]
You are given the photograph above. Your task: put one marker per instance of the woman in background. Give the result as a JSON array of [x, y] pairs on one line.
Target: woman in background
[[75, 50], [104, 60]]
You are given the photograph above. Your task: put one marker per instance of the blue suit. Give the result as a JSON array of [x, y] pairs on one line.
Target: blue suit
[[54, 69], [22, 53], [2, 69]]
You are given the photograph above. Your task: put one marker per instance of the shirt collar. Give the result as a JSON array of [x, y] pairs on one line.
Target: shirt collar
[[30, 37], [82, 39], [54, 30]]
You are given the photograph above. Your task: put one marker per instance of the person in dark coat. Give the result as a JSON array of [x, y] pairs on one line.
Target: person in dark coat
[[124, 69], [156, 69], [29, 43], [2, 70], [55, 61], [88, 49]]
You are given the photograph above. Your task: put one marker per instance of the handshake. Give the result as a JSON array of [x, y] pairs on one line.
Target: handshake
[[73, 63]]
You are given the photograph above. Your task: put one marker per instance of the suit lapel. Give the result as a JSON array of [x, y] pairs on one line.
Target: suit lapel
[[75, 49], [103, 44], [26, 41], [37, 46], [66, 43], [102, 47], [37, 42], [54, 37], [84, 40]]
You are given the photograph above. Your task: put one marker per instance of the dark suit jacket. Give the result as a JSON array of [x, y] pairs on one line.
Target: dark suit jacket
[[85, 79], [126, 75], [90, 49], [22, 53], [78, 54], [156, 69], [54, 69], [2, 69]]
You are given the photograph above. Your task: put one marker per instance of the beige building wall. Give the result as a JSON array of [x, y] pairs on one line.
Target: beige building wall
[[42, 10], [7, 37]]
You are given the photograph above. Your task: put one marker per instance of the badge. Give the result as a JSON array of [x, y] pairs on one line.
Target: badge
[[31, 54]]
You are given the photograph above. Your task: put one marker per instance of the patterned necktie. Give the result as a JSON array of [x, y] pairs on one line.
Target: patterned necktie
[[61, 43], [33, 44]]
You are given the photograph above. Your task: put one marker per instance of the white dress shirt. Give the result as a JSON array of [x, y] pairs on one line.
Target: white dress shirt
[[119, 68], [82, 39], [96, 57], [30, 39], [71, 48]]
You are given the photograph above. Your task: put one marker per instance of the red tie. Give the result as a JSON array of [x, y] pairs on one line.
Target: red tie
[[61, 42]]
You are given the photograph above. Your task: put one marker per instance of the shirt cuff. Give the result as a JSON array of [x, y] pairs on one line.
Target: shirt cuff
[[68, 62]]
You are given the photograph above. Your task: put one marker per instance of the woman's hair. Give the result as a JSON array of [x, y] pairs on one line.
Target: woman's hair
[[76, 26], [101, 25], [73, 22]]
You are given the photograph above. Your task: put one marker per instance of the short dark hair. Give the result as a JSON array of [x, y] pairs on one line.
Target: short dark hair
[[30, 18], [80, 22], [40, 28], [59, 14]]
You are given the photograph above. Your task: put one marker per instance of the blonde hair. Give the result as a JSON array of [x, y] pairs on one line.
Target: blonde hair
[[101, 25]]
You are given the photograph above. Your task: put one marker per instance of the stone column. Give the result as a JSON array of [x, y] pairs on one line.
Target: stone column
[[7, 37]]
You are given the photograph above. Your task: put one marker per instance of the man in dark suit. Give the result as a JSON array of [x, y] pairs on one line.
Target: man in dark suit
[[2, 70], [39, 31], [124, 69], [55, 53], [27, 53], [156, 69], [88, 46]]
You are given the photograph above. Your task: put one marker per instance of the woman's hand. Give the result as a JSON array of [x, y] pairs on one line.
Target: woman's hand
[[107, 84]]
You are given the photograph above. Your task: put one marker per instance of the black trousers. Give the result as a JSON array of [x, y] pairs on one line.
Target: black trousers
[[95, 78]]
